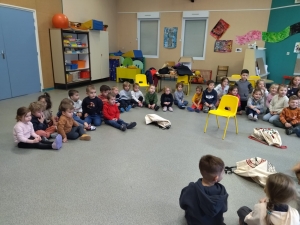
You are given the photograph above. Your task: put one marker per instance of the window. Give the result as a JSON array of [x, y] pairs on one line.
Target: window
[[194, 32], [148, 34]]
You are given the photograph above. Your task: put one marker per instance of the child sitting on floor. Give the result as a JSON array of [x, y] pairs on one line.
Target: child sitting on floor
[[125, 97], [298, 95], [111, 115], [289, 117], [166, 100], [39, 122], [244, 87], [278, 103], [280, 189], [255, 105], [115, 91], [50, 119], [137, 96], [233, 90], [104, 90], [222, 89], [67, 127], [260, 84], [196, 101], [151, 98], [179, 96], [205, 201], [293, 87], [25, 137], [209, 97], [273, 91]]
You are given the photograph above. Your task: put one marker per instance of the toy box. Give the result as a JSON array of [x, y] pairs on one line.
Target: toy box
[[93, 25]]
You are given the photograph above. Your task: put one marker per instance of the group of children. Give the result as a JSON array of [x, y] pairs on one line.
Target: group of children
[[205, 201]]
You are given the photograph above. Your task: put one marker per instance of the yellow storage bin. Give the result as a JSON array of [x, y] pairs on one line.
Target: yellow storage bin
[[93, 25]]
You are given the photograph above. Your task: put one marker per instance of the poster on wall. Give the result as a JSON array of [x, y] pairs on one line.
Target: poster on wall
[[170, 37], [219, 29], [223, 46], [253, 35], [297, 48]]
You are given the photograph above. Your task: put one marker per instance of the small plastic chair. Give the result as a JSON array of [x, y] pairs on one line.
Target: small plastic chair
[[252, 79], [141, 79], [229, 102], [236, 76], [185, 80], [138, 64]]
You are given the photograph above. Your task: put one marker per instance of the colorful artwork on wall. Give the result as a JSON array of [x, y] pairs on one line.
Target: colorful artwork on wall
[[219, 29], [253, 35], [297, 48], [274, 37], [223, 46], [170, 37]]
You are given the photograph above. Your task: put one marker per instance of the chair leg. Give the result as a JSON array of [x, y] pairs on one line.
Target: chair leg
[[236, 125], [218, 121], [206, 123], [225, 128]]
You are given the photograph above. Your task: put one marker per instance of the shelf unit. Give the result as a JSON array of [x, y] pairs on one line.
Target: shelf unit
[[60, 57]]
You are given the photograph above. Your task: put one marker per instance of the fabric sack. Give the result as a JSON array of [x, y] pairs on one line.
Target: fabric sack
[[268, 136], [161, 122]]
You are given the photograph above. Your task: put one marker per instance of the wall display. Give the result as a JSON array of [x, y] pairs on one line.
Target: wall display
[[170, 37], [219, 29], [274, 37], [253, 35], [297, 48], [223, 46]]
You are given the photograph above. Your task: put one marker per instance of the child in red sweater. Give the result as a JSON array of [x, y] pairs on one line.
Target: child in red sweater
[[111, 114]]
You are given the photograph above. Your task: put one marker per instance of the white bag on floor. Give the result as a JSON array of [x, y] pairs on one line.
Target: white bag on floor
[[257, 168], [268, 135], [161, 122]]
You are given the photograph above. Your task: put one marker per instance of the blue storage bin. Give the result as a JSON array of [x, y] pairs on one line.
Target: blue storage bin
[[71, 66]]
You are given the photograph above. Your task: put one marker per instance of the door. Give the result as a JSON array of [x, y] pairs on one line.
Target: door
[[104, 50], [5, 91], [21, 52]]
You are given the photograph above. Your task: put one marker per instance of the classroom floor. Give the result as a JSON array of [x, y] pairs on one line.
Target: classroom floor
[[133, 177]]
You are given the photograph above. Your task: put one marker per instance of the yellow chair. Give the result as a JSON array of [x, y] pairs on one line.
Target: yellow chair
[[185, 80], [141, 79], [229, 102], [252, 79], [234, 76]]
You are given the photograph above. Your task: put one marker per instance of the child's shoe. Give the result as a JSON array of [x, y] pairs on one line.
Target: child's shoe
[[122, 110], [85, 137], [53, 135], [165, 108], [239, 113], [289, 131], [156, 107], [128, 108], [131, 125], [250, 116], [133, 105], [190, 109], [91, 128], [170, 109], [123, 127], [255, 118], [197, 110], [57, 144]]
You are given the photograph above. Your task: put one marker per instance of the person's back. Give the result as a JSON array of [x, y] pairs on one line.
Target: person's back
[[205, 201]]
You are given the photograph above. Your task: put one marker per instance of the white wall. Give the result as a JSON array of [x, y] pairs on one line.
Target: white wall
[[103, 10]]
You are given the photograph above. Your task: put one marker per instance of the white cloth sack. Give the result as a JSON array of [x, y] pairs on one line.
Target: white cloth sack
[[268, 135], [161, 122], [257, 168]]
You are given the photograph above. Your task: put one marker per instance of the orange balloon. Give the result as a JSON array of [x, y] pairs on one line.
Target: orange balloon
[[60, 20]]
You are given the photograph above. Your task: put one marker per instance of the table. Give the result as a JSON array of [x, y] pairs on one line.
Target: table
[[237, 79], [127, 73], [159, 89]]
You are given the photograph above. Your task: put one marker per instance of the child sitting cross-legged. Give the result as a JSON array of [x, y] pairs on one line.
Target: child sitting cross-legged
[[277, 104], [137, 96], [151, 98], [205, 201], [166, 100], [209, 97], [67, 127], [104, 90], [272, 92], [196, 101], [179, 96], [255, 105], [233, 90], [111, 114], [125, 97], [289, 117], [222, 89]]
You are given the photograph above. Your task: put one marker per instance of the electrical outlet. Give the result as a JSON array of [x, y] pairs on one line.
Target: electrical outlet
[[288, 53]]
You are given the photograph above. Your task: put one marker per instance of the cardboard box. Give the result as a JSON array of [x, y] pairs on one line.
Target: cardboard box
[[187, 61]]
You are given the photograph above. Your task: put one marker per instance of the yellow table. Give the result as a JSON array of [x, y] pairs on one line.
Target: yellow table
[[127, 73]]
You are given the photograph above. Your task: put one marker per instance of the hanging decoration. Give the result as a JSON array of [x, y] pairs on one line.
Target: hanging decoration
[[253, 35], [223, 46], [274, 37], [219, 29], [170, 37]]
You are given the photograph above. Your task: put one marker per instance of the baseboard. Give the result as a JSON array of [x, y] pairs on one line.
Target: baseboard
[[48, 89]]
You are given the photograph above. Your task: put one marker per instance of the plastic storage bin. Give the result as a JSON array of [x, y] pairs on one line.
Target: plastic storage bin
[[80, 63], [69, 78], [71, 66], [93, 25], [85, 74]]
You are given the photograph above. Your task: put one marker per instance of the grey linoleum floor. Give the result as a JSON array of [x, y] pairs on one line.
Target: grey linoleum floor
[[133, 177]]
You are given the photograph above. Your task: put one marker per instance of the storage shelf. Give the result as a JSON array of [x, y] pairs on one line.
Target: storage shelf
[[79, 80], [78, 69], [76, 53], [75, 47]]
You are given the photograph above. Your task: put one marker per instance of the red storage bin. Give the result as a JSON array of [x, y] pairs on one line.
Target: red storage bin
[[85, 74]]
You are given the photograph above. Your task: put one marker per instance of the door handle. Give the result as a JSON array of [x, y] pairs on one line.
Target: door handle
[[3, 54]]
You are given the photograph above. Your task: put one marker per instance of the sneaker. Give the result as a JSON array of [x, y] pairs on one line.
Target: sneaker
[[250, 116], [190, 109], [131, 125], [133, 105], [170, 109], [165, 108], [289, 131], [53, 135], [255, 118], [128, 108], [57, 144], [156, 108], [85, 137], [122, 110], [123, 127], [197, 110], [91, 128], [44, 139]]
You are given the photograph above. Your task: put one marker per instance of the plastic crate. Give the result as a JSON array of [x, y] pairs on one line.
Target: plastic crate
[[80, 63], [85, 74], [71, 66], [93, 25]]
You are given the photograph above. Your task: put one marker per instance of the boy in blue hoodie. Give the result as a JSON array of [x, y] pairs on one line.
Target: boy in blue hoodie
[[209, 97], [205, 201]]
